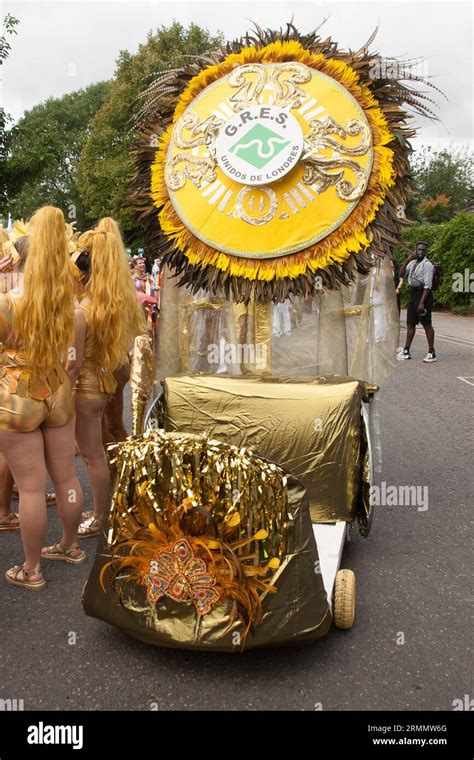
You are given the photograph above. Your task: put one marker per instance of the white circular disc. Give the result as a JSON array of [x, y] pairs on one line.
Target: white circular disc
[[259, 145]]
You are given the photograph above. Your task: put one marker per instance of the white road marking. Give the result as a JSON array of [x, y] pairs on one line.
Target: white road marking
[[447, 338], [458, 340], [467, 379]]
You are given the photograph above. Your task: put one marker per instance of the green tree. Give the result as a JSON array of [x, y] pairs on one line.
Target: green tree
[[9, 24], [436, 209], [43, 153], [454, 249], [104, 171], [447, 172]]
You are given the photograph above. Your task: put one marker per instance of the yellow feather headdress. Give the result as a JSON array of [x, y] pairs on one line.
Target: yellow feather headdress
[[177, 166]]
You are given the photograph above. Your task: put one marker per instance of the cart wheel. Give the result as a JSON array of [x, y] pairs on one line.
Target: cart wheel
[[344, 599]]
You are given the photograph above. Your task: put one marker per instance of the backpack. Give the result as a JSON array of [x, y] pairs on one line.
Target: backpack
[[437, 276]]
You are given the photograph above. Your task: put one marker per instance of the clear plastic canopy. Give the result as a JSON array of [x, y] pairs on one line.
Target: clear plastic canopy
[[351, 331]]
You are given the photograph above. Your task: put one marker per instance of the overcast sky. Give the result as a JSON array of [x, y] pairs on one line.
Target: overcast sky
[[63, 46]]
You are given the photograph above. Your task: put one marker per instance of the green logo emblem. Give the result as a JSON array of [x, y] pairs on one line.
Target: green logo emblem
[[259, 146]]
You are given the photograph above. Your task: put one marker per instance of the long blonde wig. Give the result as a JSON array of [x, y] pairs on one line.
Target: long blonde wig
[[108, 224], [114, 315], [44, 314]]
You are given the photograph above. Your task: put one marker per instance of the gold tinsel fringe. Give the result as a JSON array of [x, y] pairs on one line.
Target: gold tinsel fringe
[[231, 507]]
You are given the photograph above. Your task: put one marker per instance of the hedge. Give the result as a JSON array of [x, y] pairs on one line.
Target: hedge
[[450, 244]]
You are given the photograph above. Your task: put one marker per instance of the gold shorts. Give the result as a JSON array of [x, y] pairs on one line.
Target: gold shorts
[[23, 413], [95, 383]]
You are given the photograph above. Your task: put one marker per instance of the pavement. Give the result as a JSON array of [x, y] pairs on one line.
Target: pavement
[[410, 647]]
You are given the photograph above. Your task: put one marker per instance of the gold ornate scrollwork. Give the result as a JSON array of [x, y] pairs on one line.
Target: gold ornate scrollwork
[[250, 89], [201, 133], [285, 79], [184, 165], [321, 129], [193, 168], [324, 171], [264, 218]]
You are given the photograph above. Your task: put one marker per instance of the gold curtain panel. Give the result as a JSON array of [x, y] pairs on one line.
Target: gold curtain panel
[[313, 429]]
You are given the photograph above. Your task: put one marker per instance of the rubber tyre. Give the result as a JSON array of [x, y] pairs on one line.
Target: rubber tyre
[[344, 599]]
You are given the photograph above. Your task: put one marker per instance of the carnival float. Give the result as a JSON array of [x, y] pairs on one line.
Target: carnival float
[[271, 178]]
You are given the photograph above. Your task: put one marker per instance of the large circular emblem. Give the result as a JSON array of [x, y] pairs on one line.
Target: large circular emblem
[[259, 145], [268, 160]]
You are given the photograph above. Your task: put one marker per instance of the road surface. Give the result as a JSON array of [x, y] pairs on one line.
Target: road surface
[[410, 647]]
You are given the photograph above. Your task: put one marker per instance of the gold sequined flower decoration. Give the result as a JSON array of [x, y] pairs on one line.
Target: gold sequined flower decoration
[[183, 577]]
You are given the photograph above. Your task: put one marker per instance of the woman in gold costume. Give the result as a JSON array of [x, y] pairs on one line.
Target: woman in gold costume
[[113, 427], [36, 403], [8, 519], [109, 318]]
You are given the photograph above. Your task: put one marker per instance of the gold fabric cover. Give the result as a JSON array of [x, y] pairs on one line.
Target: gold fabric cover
[[297, 611], [311, 427]]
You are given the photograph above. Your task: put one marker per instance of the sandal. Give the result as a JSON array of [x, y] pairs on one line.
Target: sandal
[[89, 527], [87, 515], [10, 522], [61, 552], [12, 577]]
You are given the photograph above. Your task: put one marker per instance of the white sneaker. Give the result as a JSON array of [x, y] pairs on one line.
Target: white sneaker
[[430, 357]]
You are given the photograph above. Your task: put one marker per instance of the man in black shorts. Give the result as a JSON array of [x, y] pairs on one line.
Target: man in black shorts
[[420, 279]]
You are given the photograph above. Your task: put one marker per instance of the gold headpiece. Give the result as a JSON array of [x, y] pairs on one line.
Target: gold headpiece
[[72, 237], [19, 229]]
